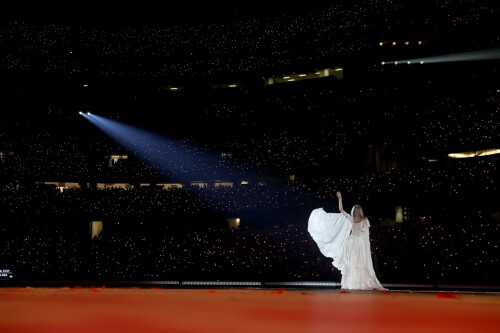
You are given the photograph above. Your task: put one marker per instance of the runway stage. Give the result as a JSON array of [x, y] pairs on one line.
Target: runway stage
[[152, 310]]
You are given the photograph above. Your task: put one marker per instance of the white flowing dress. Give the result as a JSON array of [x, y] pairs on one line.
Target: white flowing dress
[[348, 244]]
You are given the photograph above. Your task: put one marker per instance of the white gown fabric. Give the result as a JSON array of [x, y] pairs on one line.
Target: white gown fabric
[[348, 244]]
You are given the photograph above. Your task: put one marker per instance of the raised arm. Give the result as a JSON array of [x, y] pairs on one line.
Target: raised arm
[[341, 208]]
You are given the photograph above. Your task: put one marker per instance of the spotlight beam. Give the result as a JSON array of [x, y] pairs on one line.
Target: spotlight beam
[[479, 55], [169, 157]]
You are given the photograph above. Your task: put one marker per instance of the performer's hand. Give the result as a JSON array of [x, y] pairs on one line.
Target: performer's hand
[[339, 195]]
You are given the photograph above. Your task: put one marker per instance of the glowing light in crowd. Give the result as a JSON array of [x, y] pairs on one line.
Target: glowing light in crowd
[[477, 153]]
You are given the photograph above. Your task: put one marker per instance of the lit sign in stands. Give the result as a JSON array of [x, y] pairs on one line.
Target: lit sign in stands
[[6, 274]]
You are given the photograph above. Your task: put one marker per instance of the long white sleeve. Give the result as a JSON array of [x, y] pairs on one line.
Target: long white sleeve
[[329, 231]]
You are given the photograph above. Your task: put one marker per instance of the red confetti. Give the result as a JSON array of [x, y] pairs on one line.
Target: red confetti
[[447, 295], [17, 290], [279, 291]]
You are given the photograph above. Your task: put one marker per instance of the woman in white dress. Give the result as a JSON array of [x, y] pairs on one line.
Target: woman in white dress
[[345, 238]]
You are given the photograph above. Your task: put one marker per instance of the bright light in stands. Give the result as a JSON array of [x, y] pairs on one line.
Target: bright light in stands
[[476, 153]]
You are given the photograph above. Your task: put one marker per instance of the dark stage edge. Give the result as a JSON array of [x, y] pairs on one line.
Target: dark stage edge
[[190, 284]]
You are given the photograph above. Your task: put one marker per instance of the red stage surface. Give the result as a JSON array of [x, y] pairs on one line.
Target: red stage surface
[[135, 310]]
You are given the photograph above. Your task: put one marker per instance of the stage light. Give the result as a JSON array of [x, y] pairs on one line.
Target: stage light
[[88, 113], [167, 156], [383, 62], [393, 43], [479, 55], [80, 112], [409, 62], [381, 43]]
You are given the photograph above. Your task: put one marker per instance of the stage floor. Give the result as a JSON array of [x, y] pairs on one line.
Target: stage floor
[[152, 310]]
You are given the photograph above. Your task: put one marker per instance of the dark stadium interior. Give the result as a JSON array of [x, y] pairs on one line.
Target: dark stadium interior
[[382, 134]]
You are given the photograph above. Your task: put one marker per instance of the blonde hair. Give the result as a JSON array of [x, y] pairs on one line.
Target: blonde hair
[[357, 213]]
